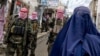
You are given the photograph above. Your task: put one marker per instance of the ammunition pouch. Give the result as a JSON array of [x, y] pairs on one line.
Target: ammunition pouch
[[17, 30]]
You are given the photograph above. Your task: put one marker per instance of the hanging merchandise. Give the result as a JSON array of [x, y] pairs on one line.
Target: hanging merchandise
[[2, 2], [2, 21]]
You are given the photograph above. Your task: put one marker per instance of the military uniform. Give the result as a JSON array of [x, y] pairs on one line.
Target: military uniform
[[58, 26], [44, 24], [51, 36], [15, 37], [33, 36]]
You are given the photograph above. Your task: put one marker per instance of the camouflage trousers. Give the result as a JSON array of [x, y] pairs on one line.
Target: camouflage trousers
[[14, 48], [50, 41], [32, 45], [32, 49]]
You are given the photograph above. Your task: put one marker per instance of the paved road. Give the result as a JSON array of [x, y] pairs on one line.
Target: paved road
[[41, 49]]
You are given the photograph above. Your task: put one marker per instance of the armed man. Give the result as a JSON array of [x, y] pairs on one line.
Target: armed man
[[51, 23], [16, 32], [33, 34], [55, 26]]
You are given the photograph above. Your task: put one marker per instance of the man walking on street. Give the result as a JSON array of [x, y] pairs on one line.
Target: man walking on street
[[33, 34], [15, 34]]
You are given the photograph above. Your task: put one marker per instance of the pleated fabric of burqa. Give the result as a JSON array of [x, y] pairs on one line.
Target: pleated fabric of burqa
[[78, 37]]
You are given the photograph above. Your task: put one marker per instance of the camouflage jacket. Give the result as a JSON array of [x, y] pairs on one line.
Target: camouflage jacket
[[16, 39], [34, 26]]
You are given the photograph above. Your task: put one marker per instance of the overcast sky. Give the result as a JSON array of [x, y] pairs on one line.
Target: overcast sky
[[75, 3]]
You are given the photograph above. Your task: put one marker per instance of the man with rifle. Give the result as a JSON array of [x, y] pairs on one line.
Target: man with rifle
[[16, 37], [33, 34]]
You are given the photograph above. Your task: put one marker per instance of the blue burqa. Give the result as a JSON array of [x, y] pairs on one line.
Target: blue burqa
[[78, 37]]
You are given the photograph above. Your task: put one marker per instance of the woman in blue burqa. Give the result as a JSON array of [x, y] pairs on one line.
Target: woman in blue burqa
[[78, 37]]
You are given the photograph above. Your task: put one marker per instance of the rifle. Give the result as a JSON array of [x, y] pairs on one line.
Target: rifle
[[25, 50]]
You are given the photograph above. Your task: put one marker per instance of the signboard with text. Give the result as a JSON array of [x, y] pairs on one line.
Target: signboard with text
[[44, 2], [53, 3]]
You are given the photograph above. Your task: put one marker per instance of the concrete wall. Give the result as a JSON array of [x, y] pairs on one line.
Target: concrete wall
[[98, 16], [93, 9]]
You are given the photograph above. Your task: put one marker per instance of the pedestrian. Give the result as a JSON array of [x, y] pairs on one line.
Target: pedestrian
[[33, 34], [44, 25], [78, 37], [16, 34], [51, 36], [59, 21], [55, 24], [47, 22]]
